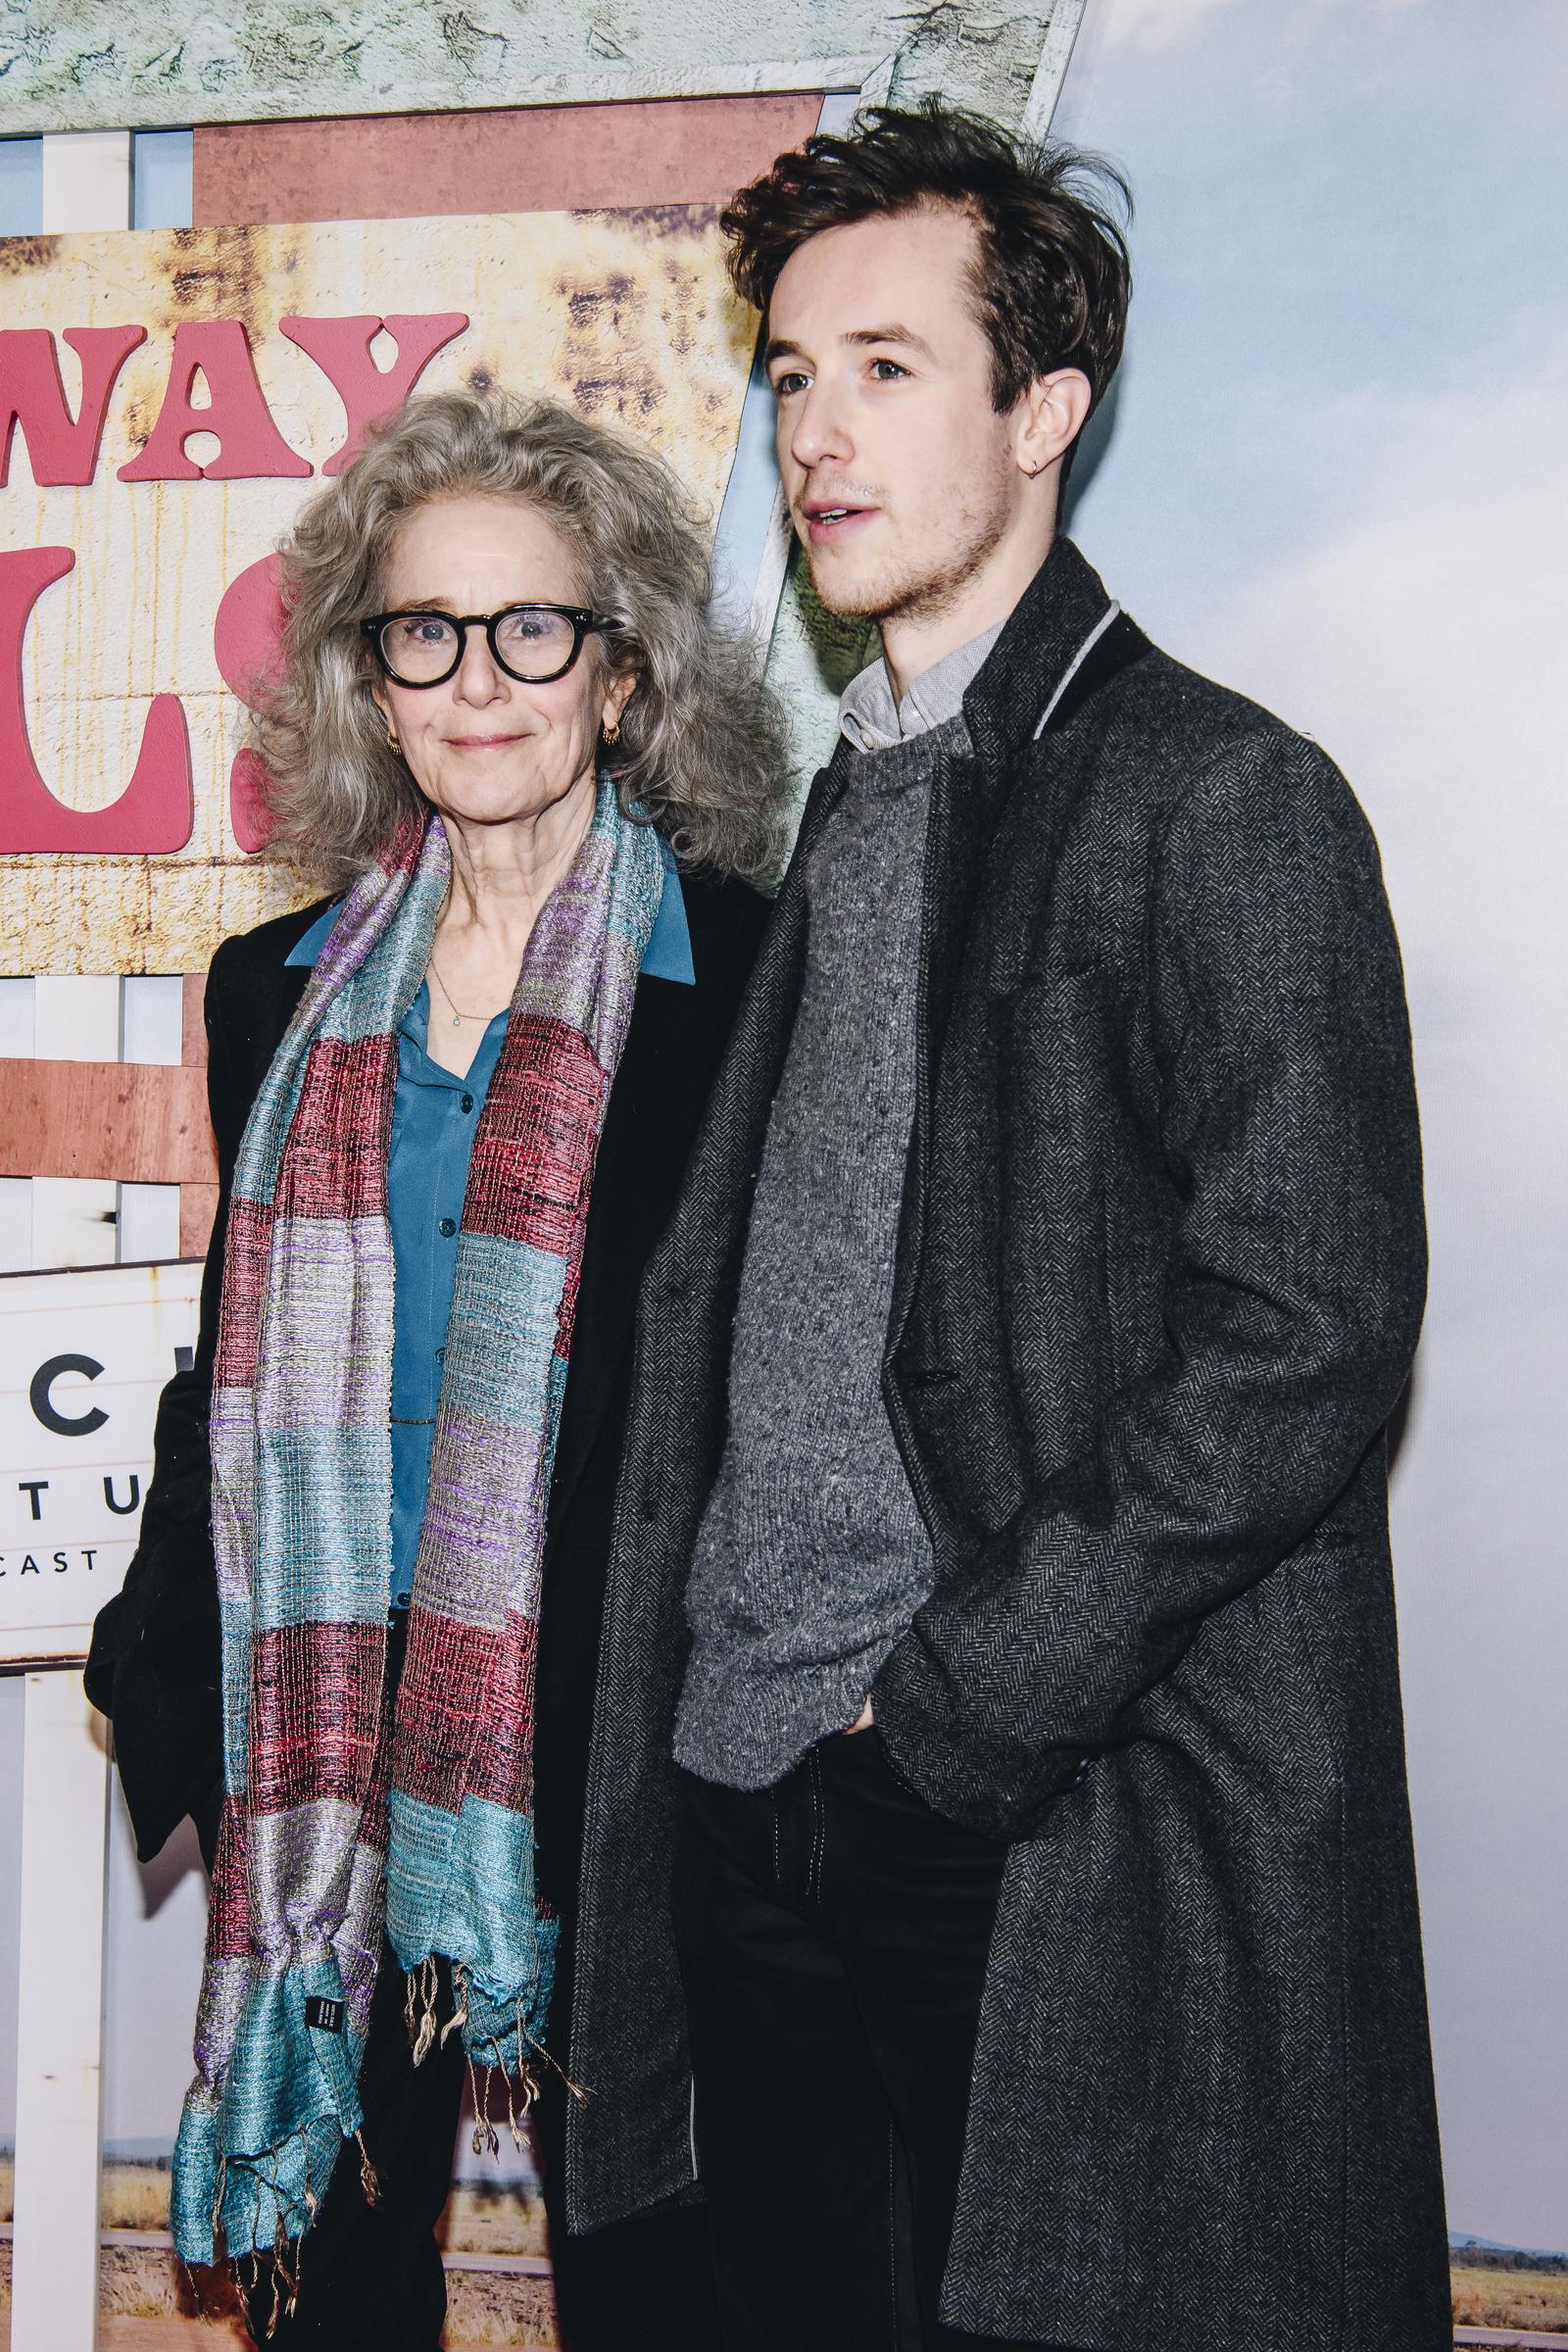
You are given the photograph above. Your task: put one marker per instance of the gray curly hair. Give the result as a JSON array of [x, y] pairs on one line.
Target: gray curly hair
[[702, 746]]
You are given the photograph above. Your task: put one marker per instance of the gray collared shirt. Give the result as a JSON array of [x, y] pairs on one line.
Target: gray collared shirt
[[871, 720]]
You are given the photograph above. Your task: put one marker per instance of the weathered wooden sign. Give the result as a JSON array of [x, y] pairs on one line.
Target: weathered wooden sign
[[83, 1358], [166, 400]]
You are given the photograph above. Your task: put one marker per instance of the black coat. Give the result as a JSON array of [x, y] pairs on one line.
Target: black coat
[[154, 1662], [1159, 1278]]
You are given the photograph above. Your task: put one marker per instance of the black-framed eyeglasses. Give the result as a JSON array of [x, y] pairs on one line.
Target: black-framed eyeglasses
[[533, 643]]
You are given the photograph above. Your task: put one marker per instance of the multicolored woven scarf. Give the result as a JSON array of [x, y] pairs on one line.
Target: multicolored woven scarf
[[341, 1817]]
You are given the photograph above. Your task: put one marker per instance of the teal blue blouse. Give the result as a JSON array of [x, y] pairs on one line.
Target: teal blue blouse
[[433, 1120]]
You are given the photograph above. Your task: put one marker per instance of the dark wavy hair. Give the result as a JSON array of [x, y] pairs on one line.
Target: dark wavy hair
[[1051, 273]]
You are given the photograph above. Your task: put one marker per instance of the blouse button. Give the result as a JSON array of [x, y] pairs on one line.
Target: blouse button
[[467, 1101], [448, 1226]]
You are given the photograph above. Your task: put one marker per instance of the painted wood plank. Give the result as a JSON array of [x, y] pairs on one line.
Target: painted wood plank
[[198, 1206], [16, 1224], [148, 1231], [161, 179], [1056, 56], [751, 541], [86, 179], [21, 187], [74, 1221], [152, 1017], [75, 1017], [65, 1792], [18, 1017], [193, 1026], [125, 1122], [168, 79], [513, 160]]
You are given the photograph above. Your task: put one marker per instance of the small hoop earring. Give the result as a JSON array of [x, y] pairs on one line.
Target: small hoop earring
[[612, 733], [392, 742]]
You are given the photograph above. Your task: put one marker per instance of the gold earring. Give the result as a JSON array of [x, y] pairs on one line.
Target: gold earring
[[611, 732], [392, 742]]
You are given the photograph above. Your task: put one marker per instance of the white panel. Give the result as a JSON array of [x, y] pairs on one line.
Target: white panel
[[839, 109], [86, 179], [17, 1015], [844, 99], [77, 1019], [1051, 72], [74, 1221], [16, 1224], [152, 1018], [149, 1223], [65, 1790], [162, 168]]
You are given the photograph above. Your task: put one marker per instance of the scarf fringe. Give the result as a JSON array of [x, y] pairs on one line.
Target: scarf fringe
[[424, 1986], [369, 2178]]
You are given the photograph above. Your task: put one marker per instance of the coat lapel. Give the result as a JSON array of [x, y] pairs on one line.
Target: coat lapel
[[1064, 605]]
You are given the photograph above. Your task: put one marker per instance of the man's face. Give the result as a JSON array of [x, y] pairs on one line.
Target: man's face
[[902, 478]]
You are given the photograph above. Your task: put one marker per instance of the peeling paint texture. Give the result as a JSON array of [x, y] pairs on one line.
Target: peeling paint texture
[[628, 317], [85, 65]]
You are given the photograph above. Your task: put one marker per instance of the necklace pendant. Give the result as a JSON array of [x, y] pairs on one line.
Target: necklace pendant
[[457, 1020]]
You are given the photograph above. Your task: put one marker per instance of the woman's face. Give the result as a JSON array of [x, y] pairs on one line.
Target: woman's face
[[485, 749]]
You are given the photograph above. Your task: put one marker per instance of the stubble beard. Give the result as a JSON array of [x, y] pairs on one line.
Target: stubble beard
[[915, 589]]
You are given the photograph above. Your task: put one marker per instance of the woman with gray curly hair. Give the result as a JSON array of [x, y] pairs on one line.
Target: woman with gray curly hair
[[453, 1104]]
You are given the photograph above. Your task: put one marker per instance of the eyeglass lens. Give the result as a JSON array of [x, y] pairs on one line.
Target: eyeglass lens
[[532, 642]]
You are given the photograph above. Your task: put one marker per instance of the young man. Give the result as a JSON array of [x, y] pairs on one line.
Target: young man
[[1002, 1551]]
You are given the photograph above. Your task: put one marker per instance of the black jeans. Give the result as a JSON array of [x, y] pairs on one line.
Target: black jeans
[[833, 1935]]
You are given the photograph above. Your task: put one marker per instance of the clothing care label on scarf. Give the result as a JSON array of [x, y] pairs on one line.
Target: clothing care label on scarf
[[83, 1358]]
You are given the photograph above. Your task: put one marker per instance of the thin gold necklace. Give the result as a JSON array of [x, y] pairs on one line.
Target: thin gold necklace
[[457, 1019]]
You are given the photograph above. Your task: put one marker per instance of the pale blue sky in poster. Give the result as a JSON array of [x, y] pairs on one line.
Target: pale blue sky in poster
[[1336, 478]]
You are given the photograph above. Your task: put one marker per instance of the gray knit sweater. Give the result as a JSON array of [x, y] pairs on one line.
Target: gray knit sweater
[[813, 1558]]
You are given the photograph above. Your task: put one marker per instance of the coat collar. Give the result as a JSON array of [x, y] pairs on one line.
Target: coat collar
[[1062, 604]]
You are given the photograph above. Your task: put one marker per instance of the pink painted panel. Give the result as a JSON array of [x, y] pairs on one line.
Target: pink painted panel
[[130, 1123], [536, 158]]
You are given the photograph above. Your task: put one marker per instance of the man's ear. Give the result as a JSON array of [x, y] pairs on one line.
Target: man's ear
[[1048, 418]]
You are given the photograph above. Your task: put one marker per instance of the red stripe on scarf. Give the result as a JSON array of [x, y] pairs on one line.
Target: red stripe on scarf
[[228, 1912], [533, 1156], [245, 1249], [464, 1718], [334, 1161], [314, 1706]]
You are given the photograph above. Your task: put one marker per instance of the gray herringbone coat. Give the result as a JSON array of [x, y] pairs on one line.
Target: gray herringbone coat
[[1161, 1274]]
